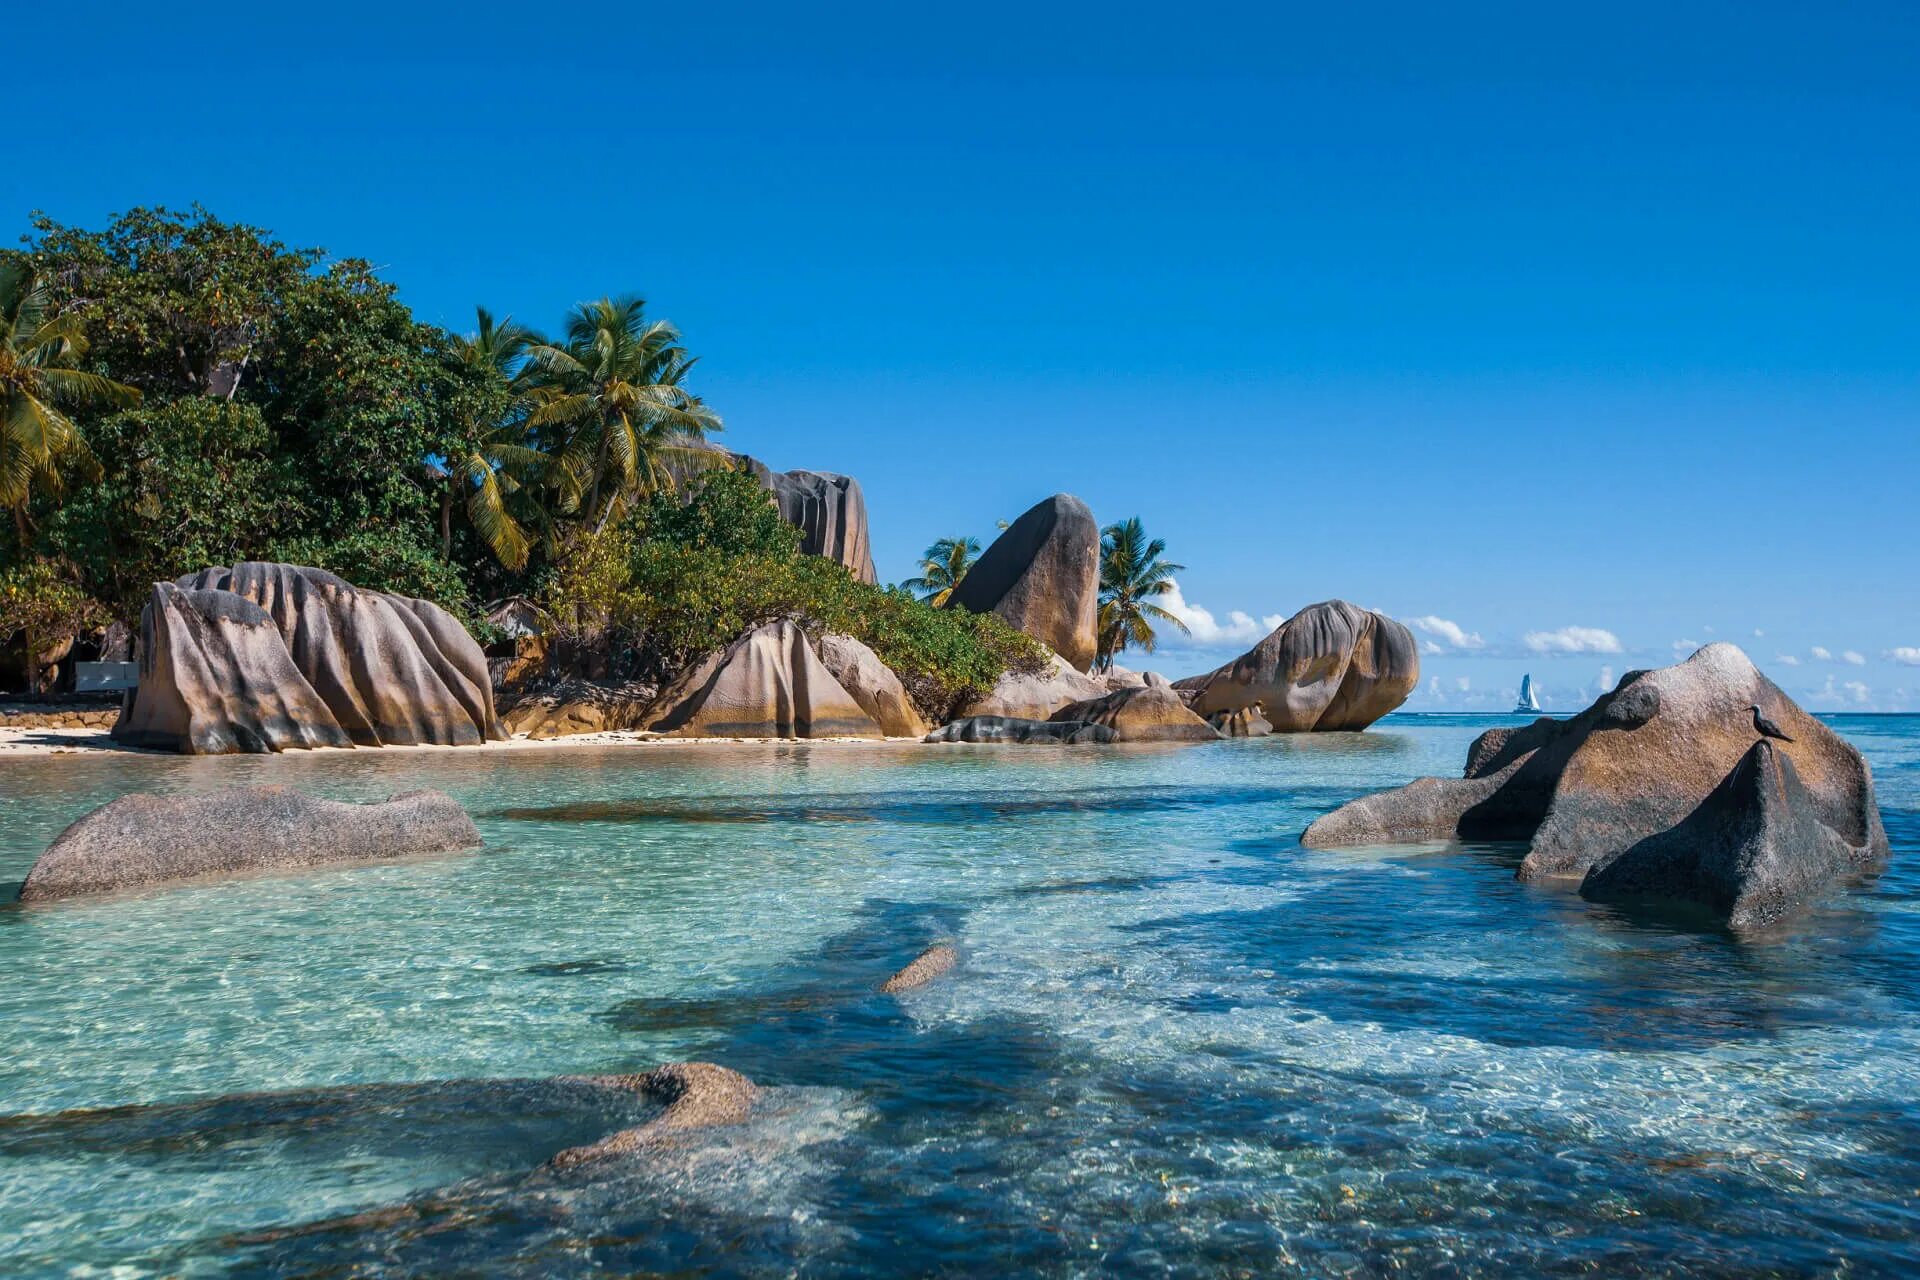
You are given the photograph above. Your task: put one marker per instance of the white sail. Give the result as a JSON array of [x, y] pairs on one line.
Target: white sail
[[1529, 700]]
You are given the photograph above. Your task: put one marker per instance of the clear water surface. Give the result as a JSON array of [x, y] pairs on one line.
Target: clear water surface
[[1176, 1041]]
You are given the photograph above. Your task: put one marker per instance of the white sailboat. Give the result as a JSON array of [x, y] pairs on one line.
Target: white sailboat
[[1529, 700]]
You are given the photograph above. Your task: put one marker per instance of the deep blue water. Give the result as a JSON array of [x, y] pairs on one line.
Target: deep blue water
[[1176, 1041]]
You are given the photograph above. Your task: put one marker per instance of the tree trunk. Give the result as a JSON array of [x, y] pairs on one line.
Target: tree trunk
[[446, 517]]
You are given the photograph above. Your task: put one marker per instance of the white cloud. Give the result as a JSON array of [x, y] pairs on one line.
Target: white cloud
[[1462, 683], [1859, 691], [1434, 690], [1685, 646], [1758, 633], [1853, 659], [1573, 640], [1239, 628], [1429, 647], [1824, 655], [1452, 632], [1786, 659], [1603, 683], [1906, 657]]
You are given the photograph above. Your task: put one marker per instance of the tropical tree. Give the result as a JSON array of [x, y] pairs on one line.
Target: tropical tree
[[496, 459], [614, 393], [38, 384], [1132, 575], [942, 566]]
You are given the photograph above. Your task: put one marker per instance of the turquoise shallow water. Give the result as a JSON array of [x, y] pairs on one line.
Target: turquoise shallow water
[[1176, 1041]]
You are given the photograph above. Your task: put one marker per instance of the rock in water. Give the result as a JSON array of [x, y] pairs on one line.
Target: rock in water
[[1042, 576], [873, 685], [1006, 729], [1247, 722], [263, 657], [1141, 714], [928, 965], [1659, 789], [830, 510], [698, 1095], [141, 840], [1331, 666], [1018, 696], [766, 684]]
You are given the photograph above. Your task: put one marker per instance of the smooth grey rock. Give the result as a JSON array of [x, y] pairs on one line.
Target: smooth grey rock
[[767, 684], [1006, 729], [1331, 666], [1042, 576], [1019, 696], [142, 840], [1247, 722], [873, 685]]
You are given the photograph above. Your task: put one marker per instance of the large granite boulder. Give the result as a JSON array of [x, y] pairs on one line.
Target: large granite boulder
[[1021, 696], [830, 510], [1115, 679], [1006, 729], [1042, 576], [1329, 667], [262, 657], [1661, 789], [873, 685], [141, 840], [767, 684], [1142, 714]]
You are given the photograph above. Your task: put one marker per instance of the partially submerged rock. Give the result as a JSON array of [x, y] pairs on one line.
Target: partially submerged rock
[[1331, 666], [1247, 722], [263, 657], [1141, 714], [1008, 729], [873, 685], [1042, 576], [767, 684], [1022, 696], [142, 840], [698, 1095], [1660, 789], [928, 965]]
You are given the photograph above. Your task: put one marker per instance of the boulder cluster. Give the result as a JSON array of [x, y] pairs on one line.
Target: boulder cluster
[[1663, 789]]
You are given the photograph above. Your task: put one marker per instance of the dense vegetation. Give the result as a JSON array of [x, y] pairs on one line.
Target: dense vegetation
[[177, 391], [680, 578]]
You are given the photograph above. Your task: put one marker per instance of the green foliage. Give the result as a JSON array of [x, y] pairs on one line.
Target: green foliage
[[1132, 574], [40, 381], [942, 565], [730, 512], [43, 607], [384, 559], [677, 582], [612, 404], [183, 486]]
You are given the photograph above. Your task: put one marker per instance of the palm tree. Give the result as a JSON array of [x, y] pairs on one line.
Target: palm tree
[[497, 460], [942, 566], [38, 383], [614, 392], [1131, 575]]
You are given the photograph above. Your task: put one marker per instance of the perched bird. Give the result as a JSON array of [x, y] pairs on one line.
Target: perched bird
[[1767, 728]]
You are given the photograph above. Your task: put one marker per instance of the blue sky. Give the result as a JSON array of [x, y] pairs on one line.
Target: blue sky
[[1514, 318]]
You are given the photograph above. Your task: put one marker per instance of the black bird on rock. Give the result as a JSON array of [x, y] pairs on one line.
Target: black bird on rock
[[1767, 728]]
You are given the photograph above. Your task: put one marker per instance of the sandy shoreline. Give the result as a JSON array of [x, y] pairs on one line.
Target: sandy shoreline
[[47, 742]]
